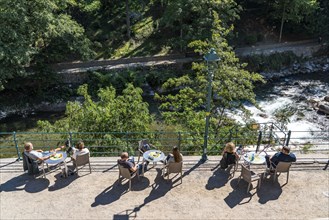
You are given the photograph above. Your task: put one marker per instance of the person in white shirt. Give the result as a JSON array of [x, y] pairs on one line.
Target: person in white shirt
[[38, 154], [79, 150]]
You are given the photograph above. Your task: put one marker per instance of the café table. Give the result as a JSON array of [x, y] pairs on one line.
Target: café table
[[254, 158], [58, 159], [153, 156]]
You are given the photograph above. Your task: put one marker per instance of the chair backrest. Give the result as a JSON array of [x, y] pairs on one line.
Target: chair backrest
[[175, 167], [283, 167], [245, 173], [82, 159], [125, 172], [30, 165]]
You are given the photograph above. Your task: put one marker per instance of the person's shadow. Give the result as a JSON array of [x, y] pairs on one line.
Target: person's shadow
[[218, 179], [238, 194], [160, 188], [269, 190], [117, 189], [25, 182]]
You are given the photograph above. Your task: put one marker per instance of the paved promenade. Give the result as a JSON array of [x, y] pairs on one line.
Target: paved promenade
[[206, 193]]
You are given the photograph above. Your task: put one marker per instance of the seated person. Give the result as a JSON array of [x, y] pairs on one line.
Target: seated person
[[38, 155], [284, 156], [229, 155], [176, 156], [127, 162], [79, 150]]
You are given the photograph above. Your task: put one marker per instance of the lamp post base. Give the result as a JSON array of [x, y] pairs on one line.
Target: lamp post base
[[204, 158]]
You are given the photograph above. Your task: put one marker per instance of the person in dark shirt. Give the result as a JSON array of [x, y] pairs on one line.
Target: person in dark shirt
[[126, 162], [284, 156]]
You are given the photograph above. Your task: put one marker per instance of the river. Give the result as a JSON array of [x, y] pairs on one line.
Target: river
[[293, 91]]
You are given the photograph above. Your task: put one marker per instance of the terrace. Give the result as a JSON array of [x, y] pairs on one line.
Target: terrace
[[206, 193]]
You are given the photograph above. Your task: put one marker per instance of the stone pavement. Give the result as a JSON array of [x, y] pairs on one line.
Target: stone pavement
[[205, 193]]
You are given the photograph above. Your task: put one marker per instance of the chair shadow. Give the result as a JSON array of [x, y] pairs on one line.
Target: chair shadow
[[25, 182], [238, 194], [218, 179], [117, 189], [269, 190], [62, 182], [160, 188]]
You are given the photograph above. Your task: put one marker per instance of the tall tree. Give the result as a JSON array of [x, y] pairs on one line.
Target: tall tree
[[36, 28], [191, 20], [292, 10], [231, 86]]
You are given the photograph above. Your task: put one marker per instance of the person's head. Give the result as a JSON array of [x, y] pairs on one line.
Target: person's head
[[28, 146], [176, 154], [80, 145], [124, 156], [285, 149], [230, 147]]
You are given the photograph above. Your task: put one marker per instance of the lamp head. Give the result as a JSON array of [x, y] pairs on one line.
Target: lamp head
[[211, 56]]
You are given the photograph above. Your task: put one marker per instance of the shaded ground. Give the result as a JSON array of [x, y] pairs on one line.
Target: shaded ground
[[206, 193]]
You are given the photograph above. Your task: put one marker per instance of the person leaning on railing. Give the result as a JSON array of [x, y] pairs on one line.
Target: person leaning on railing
[[37, 154]]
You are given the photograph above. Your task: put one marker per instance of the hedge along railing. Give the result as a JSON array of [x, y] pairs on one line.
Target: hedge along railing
[[113, 143]]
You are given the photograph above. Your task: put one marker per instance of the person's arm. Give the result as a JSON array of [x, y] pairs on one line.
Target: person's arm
[[236, 156], [133, 168]]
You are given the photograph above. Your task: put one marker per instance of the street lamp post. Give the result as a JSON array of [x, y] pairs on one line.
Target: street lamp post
[[211, 56]]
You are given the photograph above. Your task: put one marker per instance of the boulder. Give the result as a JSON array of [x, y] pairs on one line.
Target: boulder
[[326, 98], [324, 108]]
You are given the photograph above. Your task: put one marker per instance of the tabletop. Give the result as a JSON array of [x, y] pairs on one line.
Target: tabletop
[[254, 158], [154, 155], [58, 158]]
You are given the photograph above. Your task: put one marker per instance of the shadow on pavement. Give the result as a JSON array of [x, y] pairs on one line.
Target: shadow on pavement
[[238, 194], [218, 179], [62, 182], [117, 189], [160, 187], [25, 182], [269, 190]]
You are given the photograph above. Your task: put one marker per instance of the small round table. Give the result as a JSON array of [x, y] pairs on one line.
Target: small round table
[[258, 159], [153, 156], [55, 161]]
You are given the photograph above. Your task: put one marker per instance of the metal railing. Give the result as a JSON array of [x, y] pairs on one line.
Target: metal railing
[[113, 143]]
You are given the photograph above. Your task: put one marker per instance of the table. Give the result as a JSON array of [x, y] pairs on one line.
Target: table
[[153, 156], [58, 159], [258, 158]]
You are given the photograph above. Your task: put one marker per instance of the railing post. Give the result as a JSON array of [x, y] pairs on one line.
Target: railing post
[[179, 139], [70, 134], [288, 138], [270, 136], [127, 141], [16, 146], [259, 140]]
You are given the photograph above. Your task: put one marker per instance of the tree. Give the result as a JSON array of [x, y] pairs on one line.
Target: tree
[[36, 31], [191, 20], [122, 113], [292, 10], [231, 86]]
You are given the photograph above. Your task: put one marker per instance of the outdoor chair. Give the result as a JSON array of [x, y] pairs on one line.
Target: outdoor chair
[[32, 166], [249, 176], [174, 167], [282, 167], [141, 151], [81, 160], [125, 173]]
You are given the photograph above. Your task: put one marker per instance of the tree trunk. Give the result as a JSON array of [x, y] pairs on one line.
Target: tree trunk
[[128, 19], [282, 20]]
